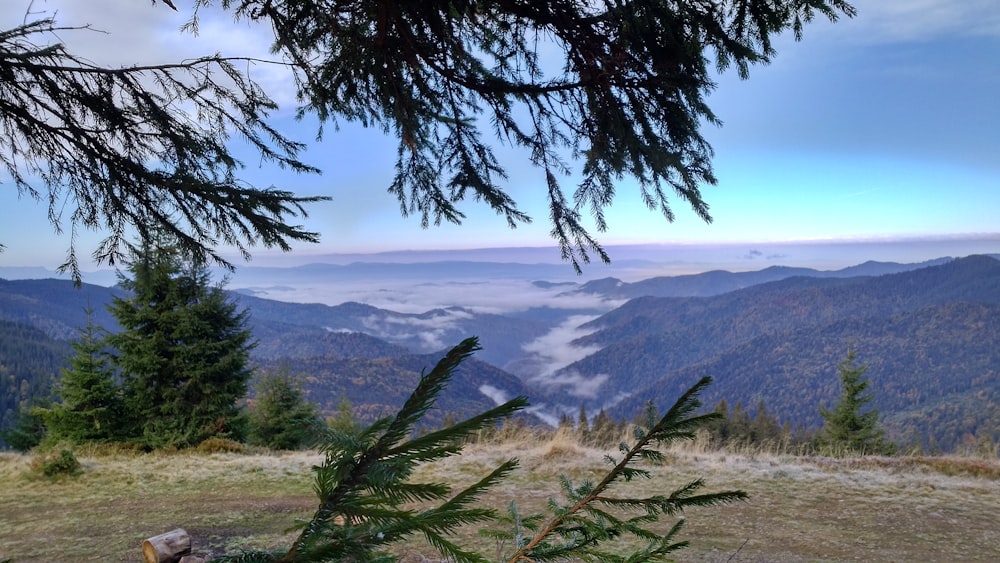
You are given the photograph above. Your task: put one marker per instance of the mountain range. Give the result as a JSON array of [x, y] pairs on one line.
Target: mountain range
[[929, 334]]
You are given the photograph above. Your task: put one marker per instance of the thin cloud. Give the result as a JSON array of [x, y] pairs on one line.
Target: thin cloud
[[895, 21], [493, 297], [498, 396], [551, 353], [575, 383], [431, 331]]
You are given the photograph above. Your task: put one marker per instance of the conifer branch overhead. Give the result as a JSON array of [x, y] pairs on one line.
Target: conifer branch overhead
[[143, 148], [600, 91], [603, 90]]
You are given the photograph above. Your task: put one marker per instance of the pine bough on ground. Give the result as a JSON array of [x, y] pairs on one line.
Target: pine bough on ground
[[366, 496]]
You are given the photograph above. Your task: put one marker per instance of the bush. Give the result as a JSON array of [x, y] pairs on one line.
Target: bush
[[55, 465], [220, 445]]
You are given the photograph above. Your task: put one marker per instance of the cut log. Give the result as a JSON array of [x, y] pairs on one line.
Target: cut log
[[167, 548]]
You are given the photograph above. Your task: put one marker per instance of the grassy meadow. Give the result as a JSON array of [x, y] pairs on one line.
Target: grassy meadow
[[801, 508]]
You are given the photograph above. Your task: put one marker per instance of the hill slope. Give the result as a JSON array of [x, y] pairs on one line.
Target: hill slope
[[930, 337]]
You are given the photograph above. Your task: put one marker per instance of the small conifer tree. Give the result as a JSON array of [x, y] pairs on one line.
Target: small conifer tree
[[91, 406], [343, 421], [282, 417], [594, 523], [847, 429], [183, 350], [583, 423]]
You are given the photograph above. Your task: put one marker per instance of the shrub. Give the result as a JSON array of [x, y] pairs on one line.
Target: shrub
[[55, 465], [220, 445]]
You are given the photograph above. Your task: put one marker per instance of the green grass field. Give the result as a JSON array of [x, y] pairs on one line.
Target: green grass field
[[801, 509]]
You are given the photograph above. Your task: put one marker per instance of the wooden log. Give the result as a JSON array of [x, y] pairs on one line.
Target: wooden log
[[167, 548]]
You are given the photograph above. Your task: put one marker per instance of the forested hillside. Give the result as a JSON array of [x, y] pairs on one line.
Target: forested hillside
[[930, 337], [30, 362], [377, 386], [501, 337], [55, 307]]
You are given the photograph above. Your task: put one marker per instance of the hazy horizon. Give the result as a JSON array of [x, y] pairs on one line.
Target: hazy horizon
[[501, 280]]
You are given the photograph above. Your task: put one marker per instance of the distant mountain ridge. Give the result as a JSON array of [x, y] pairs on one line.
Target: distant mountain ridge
[[716, 282]]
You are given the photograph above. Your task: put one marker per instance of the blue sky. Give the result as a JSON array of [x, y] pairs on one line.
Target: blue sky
[[883, 127]]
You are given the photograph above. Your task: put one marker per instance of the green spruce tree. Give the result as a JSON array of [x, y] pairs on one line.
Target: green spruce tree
[[91, 407], [183, 350], [282, 418], [847, 429], [582, 424], [765, 428], [343, 421]]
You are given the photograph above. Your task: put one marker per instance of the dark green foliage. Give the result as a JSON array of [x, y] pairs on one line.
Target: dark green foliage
[[364, 483], [29, 366], [90, 407], [848, 430], [739, 428], [183, 351], [281, 417], [118, 147], [26, 432], [588, 525], [62, 464]]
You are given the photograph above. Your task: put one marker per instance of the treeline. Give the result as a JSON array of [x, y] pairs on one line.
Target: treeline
[[851, 425]]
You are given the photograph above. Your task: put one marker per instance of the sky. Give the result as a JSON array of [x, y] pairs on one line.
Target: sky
[[877, 129]]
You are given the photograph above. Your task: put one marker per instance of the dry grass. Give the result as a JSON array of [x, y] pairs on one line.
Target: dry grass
[[801, 509]]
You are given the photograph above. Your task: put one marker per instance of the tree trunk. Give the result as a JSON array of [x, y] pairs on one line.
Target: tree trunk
[[167, 548]]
